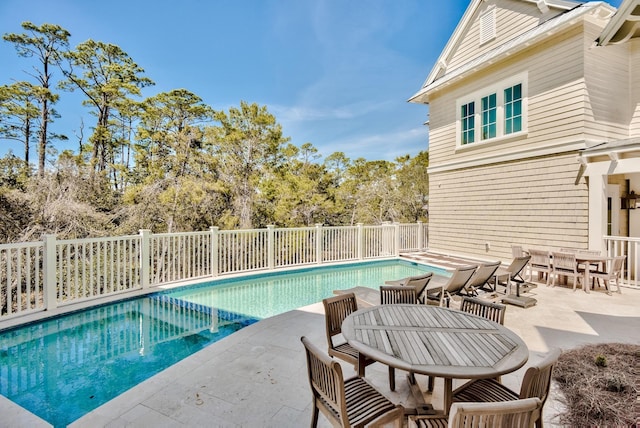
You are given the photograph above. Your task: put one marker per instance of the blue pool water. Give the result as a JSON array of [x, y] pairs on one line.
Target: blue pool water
[[63, 368]]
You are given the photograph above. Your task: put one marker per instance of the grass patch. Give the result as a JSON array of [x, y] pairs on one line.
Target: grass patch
[[600, 384]]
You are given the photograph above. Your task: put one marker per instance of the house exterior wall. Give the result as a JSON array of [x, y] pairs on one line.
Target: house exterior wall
[[531, 202], [556, 101], [529, 189], [609, 110]]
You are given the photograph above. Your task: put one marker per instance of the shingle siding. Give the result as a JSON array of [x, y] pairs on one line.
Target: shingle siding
[[533, 202]]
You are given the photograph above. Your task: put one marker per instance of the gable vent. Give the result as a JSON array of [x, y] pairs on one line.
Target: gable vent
[[488, 26]]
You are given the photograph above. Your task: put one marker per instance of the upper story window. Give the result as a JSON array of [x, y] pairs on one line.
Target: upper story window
[[489, 109], [513, 109], [501, 112], [467, 120]]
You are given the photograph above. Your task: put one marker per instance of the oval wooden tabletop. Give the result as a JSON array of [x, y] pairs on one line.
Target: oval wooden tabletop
[[435, 341]]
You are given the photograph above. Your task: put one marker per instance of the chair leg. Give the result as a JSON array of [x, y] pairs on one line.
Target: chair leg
[[392, 378], [314, 414], [618, 286]]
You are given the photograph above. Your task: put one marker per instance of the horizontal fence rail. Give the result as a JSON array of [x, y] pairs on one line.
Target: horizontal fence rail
[[39, 276]]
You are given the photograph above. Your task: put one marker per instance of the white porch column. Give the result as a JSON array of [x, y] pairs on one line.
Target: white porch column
[[597, 211]]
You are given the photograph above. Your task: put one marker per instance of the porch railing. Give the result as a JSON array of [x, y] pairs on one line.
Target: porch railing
[[630, 247], [39, 276]]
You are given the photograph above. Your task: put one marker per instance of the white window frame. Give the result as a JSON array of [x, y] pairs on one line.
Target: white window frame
[[497, 88]]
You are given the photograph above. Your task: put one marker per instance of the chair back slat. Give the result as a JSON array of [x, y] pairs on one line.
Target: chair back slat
[[326, 379], [398, 294], [336, 309], [540, 258], [564, 261], [512, 414], [616, 265], [489, 310]]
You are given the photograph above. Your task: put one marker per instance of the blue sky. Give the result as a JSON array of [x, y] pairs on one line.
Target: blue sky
[[335, 73]]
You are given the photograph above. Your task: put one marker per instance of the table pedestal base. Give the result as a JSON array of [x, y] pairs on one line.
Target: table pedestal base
[[422, 407], [522, 301], [518, 300]]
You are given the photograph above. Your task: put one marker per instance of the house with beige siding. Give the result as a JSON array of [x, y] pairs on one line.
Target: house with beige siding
[[534, 128]]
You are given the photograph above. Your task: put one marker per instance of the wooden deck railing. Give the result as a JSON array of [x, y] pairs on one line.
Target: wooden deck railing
[[630, 247]]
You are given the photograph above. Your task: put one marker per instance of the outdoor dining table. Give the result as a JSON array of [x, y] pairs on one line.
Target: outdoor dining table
[[434, 341]]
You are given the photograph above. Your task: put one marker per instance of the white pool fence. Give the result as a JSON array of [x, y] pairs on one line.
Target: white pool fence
[[39, 276]]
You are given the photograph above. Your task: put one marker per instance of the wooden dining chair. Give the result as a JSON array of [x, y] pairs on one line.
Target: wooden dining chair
[[398, 294], [536, 383], [613, 274], [540, 262], [511, 414], [352, 402], [489, 310], [565, 265], [336, 309]]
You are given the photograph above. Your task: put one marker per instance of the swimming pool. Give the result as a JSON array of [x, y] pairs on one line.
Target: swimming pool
[[63, 368]]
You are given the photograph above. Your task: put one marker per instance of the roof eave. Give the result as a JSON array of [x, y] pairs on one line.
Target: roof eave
[[422, 96], [617, 21]]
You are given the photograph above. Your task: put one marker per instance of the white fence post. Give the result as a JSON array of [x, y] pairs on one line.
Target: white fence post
[[215, 246], [421, 245], [270, 247], [145, 258], [360, 240], [396, 232], [319, 243], [50, 283]]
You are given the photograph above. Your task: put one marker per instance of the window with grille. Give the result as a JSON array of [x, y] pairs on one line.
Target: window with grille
[[501, 112], [489, 116], [467, 119], [513, 109]]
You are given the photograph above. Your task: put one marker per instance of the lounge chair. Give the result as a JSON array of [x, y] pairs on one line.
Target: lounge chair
[[336, 309], [420, 282], [612, 275], [398, 294], [489, 310], [441, 294], [347, 403], [565, 265], [481, 278], [541, 263], [536, 383], [512, 414], [513, 272]]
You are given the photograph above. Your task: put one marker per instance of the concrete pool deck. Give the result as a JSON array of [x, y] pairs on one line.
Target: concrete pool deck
[[258, 376]]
